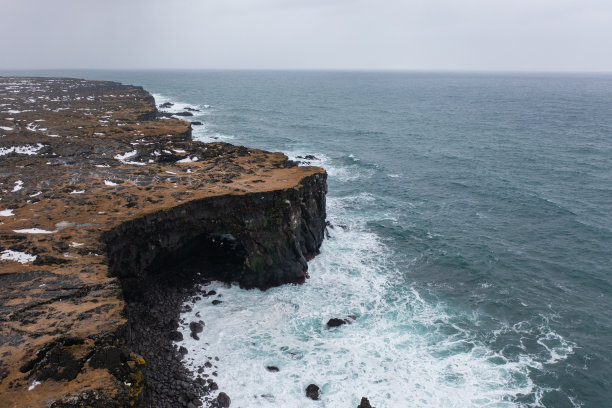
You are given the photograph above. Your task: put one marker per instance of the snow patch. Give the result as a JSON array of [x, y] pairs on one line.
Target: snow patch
[[21, 257]]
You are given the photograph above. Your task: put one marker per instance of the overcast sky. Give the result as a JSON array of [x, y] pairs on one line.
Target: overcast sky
[[490, 35]]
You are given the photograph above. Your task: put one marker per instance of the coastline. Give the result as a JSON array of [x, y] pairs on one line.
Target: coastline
[[102, 172]]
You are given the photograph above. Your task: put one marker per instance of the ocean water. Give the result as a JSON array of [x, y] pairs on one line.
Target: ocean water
[[472, 238]]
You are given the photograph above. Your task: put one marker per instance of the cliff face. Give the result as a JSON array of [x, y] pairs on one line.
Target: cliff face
[[100, 203], [258, 239]]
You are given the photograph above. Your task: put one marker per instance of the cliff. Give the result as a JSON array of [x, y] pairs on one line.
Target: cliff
[[107, 210]]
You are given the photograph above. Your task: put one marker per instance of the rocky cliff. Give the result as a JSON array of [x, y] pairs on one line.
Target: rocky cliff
[[109, 216]]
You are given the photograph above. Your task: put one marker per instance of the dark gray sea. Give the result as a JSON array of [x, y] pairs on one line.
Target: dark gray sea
[[472, 237]]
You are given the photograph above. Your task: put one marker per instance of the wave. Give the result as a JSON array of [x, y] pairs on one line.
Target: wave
[[402, 350]]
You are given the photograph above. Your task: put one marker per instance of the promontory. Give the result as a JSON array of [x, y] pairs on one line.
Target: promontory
[[110, 216]]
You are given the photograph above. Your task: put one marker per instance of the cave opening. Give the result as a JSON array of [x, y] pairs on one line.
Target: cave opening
[[204, 256]]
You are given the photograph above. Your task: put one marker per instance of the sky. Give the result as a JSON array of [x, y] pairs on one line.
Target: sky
[[449, 35]]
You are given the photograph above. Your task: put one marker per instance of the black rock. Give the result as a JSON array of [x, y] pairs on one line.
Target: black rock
[[196, 123], [223, 400], [183, 114], [335, 322], [196, 327], [166, 105], [216, 302], [365, 403], [313, 392], [183, 350], [187, 108], [308, 157], [273, 369], [176, 336]]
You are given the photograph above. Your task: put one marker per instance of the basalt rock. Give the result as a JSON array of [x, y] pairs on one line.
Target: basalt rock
[[313, 392], [109, 219], [365, 403]]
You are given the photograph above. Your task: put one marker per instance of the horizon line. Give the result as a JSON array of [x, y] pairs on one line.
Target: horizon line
[[339, 70]]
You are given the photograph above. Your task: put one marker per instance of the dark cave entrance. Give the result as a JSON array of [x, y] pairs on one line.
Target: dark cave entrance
[[205, 256]]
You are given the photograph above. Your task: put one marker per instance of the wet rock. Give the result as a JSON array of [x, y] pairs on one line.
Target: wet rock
[[272, 369], [335, 322], [196, 327], [216, 302], [197, 123], [313, 392], [223, 400], [308, 157], [183, 114], [183, 350], [176, 336], [365, 403], [166, 105]]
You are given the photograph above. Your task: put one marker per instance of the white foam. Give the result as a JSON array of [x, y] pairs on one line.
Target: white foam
[[397, 351], [178, 106], [6, 213], [21, 257]]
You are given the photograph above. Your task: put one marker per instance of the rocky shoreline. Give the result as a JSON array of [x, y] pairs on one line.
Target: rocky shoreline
[[110, 216]]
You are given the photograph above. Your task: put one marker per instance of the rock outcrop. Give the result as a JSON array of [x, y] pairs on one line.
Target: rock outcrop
[[108, 217]]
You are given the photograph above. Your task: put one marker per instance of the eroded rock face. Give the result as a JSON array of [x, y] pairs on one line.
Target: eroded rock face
[[100, 200]]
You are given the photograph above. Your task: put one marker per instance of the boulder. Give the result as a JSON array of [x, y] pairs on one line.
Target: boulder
[[313, 392], [365, 403], [335, 322], [223, 400]]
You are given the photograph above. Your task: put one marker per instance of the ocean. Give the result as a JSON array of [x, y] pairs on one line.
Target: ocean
[[471, 239]]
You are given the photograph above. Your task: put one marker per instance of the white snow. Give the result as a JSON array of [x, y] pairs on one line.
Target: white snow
[[188, 160], [34, 384], [26, 149], [33, 231], [6, 128], [77, 191], [6, 213], [122, 158], [76, 244], [21, 257], [109, 183], [18, 185]]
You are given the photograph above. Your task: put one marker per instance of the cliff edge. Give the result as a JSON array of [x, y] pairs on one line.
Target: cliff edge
[[104, 206]]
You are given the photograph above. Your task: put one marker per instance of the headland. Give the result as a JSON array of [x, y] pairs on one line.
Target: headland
[[110, 215]]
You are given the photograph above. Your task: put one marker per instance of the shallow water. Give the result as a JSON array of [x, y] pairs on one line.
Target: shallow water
[[472, 239]]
